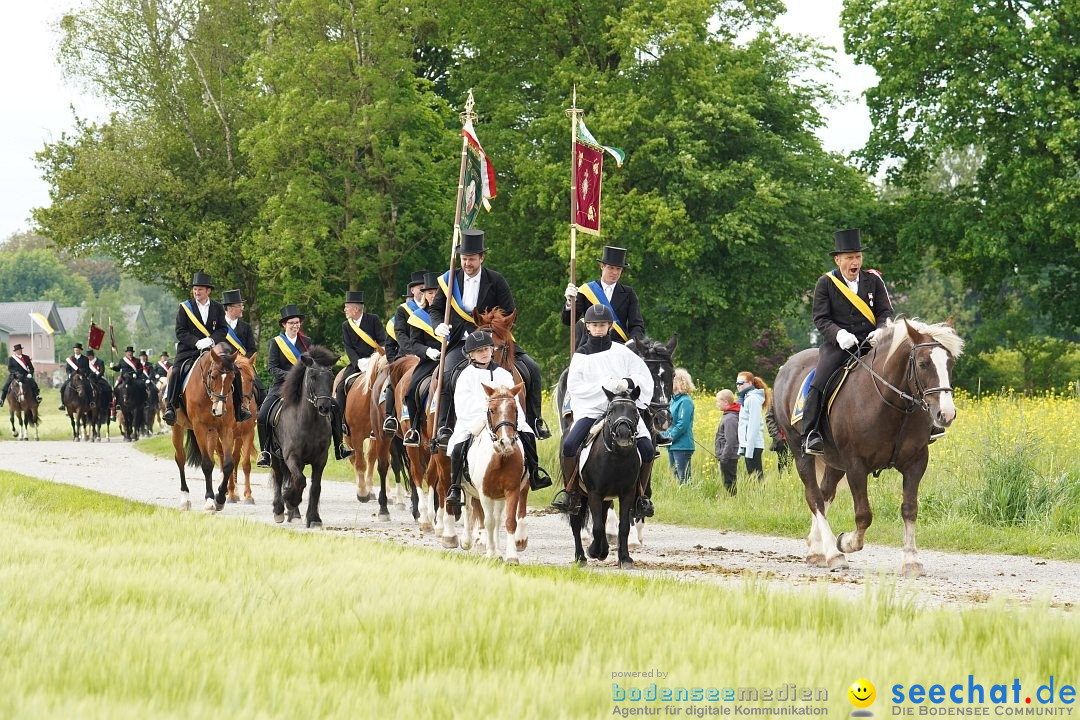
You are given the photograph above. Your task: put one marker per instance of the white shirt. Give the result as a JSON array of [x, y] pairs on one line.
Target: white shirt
[[204, 310], [292, 339], [231, 321], [588, 373], [471, 402], [608, 289], [853, 284], [470, 292]]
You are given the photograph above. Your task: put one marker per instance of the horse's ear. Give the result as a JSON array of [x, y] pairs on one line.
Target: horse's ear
[[672, 343], [488, 390], [912, 332], [518, 389], [635, 392], [949, 322], [610, 395], [511, 318], [252, 358]]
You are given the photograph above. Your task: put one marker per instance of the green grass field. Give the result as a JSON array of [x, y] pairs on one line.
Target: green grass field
[[1005, 479], [119, 610]]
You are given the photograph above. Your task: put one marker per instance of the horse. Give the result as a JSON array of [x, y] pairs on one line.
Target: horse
[[303, 434], [205, 423], [151, 406], [130, 395], [162, 384], [425, 468], [23, 405], [610, 471], [244, 437], [496, 480], [881, 418], [102, 414], [82, 406]]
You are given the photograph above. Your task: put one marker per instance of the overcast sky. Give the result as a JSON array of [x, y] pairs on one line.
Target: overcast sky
[[38, 100]]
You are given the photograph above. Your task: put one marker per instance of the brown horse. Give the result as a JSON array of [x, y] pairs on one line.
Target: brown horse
[[881, 418], [23, 405], [244, 438], [497, 470], [425, 469], [80, 403], [206, 414]]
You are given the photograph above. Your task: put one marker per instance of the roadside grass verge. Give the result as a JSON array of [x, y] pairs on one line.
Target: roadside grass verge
[[118, 610]]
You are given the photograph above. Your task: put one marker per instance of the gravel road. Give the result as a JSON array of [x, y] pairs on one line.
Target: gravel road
[[690, 554]]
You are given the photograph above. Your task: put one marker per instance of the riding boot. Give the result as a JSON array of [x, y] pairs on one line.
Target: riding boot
[[568, 500], [644, 506], [62, 389], [337, 426], [390, 424], [340, 397], [813, 443], [168, 415], [242, 412], [446, 412], [454, 501], [538, 477], [264, 443]]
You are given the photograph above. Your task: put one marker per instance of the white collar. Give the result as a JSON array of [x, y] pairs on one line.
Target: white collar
[[232, 321], [293, 338], [474, 278]]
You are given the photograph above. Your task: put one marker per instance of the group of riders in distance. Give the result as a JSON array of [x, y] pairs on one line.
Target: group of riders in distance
[[444, 389]]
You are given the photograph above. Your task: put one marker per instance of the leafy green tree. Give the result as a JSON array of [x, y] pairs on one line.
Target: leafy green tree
[[29, 275]]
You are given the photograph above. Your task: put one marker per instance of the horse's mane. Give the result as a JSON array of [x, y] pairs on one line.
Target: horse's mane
[[940, 332], [293, 389]]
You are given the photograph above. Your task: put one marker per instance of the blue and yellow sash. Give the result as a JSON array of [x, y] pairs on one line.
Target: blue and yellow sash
[[419, 318], [363, 335], [287, 349], [234, 340], [854, 299], [455, 301], [390, 328], [194, 318], [594, 293]]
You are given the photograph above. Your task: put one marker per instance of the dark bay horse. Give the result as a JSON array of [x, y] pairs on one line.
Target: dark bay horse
[[881, 418], [24, 406], [206, 424], [81, 404], [610, 471], [303, 434], [130, 392]]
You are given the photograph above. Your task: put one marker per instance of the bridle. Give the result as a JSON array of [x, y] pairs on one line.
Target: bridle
[[911, 377], [623, 421], [512, 435], [312, 396]]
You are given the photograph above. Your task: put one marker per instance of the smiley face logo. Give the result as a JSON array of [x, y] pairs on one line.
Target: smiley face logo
[[862, 693]]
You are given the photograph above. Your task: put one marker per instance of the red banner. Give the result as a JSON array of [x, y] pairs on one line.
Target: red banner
[[95, 337], [588, 169]]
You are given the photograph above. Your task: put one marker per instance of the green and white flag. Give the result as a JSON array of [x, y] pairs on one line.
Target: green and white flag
[[587, 137]]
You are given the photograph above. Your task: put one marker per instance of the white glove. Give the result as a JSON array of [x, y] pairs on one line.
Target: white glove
[[432, 353], [442, 330], [361, 363], [204, 343], [846, 340], [616, 386], [571, 292], [873, 337]]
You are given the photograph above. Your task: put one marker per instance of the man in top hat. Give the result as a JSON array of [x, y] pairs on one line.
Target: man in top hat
[[20, 366], [282, 355], [477, 289], [162, 366], [200, 324], [74, 362], [129, 365], [97, 365], [97, 375], [241, 338], [608, 290], [398, 338], [427, 346], [144, 361], [851, 305], [363, 336]]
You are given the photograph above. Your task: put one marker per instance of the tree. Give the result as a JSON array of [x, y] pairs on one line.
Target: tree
[[995, 78], [29, 275]]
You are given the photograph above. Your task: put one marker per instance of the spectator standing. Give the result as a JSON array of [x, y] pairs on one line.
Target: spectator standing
[[726, 443], [681, 450], [754, 398]]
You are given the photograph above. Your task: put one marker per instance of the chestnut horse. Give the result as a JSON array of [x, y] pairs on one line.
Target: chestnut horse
[[424, 468], [206, 414], [881, 418], [244, 437], [23, 405], [497, 482]]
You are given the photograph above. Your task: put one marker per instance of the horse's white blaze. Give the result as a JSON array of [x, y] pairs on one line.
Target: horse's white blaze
[[940, 359]]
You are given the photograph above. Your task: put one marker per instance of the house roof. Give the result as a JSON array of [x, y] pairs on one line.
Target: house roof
[[133, 316], [71, 317], [16, 315]]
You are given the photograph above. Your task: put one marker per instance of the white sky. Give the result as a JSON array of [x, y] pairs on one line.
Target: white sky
[[38, 100]]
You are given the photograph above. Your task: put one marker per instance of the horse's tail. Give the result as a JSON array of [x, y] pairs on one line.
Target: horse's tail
[[191, 445]]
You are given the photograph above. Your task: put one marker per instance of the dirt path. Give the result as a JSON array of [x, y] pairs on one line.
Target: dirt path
[[684, 553]]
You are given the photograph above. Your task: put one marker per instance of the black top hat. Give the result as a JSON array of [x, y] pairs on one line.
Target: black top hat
[[417, 278], [164, 354], [143, 353], [77, 346], [354, 296], [130, 349], [202, 279], [90, 352], [472, 242], [231, 297], [614, 256], [16, 346], [288, 312], [847, 241], [431, 281]]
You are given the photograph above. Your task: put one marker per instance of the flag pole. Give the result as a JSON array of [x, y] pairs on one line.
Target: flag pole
[[31, 316], [466, 117], [574, 112]]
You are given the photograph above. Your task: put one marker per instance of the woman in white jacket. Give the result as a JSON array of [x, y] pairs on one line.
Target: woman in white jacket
[[754, 398]]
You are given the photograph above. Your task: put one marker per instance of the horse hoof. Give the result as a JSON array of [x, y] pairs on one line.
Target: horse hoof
[[363, 498], [449, 542], [210, 505], [521, 544], [279, 518], [426, 527], [185, 505], [912, 570], [249, 500], [513, 561], [314, 525], [816, 560], [384, 516], [580, 562], [838, 562], [220, 506], [627, 564], [293, 514], [233, 500]]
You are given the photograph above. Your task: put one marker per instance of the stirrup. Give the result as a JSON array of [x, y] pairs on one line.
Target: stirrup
[[541, 428], [344, 451], [390, 425], [566, 502], [936, 433], [814, 444], [454, 500], [264, 459], [169, 416], [539, 479], [443, 436], [411, 439]]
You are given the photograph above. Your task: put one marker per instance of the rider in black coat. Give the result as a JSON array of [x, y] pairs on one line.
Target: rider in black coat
[[20, 366]]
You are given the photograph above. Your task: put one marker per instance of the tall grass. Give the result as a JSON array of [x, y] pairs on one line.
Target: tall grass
[[119, 610]]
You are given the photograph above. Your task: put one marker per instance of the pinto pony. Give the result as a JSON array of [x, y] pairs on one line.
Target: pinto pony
[[205, 423], [881, 418]]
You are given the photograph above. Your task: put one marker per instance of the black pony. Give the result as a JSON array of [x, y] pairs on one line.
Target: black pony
[[130, 395], [610, 471], [303, 433], [80, 401]]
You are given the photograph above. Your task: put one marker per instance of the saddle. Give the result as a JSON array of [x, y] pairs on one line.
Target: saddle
[[421, 396], [350, 380], [831, 390]]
